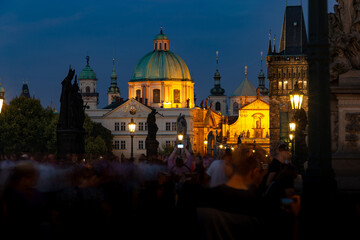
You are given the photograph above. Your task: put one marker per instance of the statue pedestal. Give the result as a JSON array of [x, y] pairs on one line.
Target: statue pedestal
[[70, 141], [345, 121], [152, 146]]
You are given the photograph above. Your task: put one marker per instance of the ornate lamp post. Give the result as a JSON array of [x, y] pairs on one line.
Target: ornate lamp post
[[132, 127], [2, 96], [297, 128]]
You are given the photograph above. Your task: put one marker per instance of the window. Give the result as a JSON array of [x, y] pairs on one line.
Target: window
[[167, 126], [160, 46], [116, 126], [176, 96], [146, 126], [168, 143], [138, 94], [141, 126], [280, 85], [305, 85], [235, 108], [141, 144], [173, 126], [117, 145], [87, 90], [156, 95], [122, 126], [217, 106], [155, 46], [122, 144], [165, 45], [285, 85]]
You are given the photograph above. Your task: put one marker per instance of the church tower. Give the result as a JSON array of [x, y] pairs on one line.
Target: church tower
[[285, 68], [87, 80], [113, 90], [217, 98], [25, 90]]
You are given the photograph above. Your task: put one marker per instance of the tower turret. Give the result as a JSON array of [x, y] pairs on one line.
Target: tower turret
[[113, 90]]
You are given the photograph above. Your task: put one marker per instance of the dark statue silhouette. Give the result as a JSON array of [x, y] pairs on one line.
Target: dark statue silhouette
[[70, 131], [151, 143]]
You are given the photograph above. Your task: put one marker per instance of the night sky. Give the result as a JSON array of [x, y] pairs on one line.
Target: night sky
[[40, 39]]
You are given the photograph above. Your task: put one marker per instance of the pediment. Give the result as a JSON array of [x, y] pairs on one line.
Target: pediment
[[258, 104], [130, 108]]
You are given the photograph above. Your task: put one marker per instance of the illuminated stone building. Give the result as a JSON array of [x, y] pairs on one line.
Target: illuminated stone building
[[160, 80], [285, 67]]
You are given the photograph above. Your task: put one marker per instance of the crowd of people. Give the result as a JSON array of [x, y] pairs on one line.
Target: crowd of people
[[238, 194]]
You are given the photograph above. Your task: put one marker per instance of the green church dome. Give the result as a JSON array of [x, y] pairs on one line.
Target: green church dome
[[87, 72], [161, 65]]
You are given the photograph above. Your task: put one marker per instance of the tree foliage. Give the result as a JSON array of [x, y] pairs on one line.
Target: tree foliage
[[25, 126], [98, 140]]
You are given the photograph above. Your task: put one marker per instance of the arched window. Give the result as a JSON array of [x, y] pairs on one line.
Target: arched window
[[176, 96], [235, 108], [155, 46], [138, 94], [160, 46], [217, 106], [156, 95], [165, 46], [87, 90]]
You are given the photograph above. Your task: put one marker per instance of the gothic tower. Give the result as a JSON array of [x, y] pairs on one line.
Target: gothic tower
[[113, 90], [285, 68], [87, 80]]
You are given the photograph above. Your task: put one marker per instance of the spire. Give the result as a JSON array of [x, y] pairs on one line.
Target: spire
[[87, 60], [217, 90], [113, 74], [261, 88], [245, 71], [274, 50], [269, 49], [161, 29], [113, 90]]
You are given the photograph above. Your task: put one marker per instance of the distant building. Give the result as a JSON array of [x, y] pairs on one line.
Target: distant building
[[88, 82], [161, 80]]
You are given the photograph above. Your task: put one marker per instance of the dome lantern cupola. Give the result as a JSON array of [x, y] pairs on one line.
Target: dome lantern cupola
[[161, 41]]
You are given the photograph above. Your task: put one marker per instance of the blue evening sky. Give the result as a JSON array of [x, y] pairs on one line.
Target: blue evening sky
[[39, 39]]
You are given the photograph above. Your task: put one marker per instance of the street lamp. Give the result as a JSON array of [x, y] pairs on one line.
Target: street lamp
[[221, 146], [132, 127], [297, 126], [180, 137], [292, 126], [2, 94], [296, 97]]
